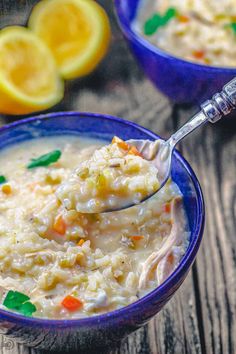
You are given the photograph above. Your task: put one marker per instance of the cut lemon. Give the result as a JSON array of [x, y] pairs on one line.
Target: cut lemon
[[29, 80], [76, 31]]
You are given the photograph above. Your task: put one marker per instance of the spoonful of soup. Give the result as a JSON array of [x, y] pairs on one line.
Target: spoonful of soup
[[126, 173]]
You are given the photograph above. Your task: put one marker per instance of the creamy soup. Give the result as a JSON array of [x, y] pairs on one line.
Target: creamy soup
[[56, 262], [202, 31], [114, 177]]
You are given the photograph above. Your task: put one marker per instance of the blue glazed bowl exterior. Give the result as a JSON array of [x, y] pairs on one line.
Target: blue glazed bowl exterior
[[103, 330], [180, 80]]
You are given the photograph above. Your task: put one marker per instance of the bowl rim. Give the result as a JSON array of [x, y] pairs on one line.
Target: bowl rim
[[159, 291], [127, 29]]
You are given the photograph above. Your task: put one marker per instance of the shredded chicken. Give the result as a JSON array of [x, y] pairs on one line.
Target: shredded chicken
[[168, 264], [174, 239]]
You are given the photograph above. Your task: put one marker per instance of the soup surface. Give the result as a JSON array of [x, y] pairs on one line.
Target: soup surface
[[202, 31], [56, 262]]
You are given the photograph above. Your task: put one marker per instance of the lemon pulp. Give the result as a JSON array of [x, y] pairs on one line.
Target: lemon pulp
[[28, 76], [76, 31]]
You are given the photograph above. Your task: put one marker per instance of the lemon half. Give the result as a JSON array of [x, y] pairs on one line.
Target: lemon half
[[76, 31], [29, 80]]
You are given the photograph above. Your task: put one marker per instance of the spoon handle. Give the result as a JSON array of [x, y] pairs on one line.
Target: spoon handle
[[212, 110]]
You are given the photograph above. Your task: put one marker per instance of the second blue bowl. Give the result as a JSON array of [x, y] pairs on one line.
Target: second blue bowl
[[180, 80]]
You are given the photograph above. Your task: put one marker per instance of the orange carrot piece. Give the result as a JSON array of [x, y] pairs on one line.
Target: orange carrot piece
[[6, 189], [183, 18], [171, 258], [121, 143], [71, 303], [59, 225], [198, 54], [134, 151], [116, 140], [81, 242], [137, 238], [167, 208]]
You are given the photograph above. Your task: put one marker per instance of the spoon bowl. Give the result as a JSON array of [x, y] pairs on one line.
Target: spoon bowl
[[158, 153]]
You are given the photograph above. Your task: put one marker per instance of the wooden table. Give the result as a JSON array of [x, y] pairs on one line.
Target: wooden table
[[201, 318]]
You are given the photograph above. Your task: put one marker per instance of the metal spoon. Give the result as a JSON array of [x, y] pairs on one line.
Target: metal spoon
[[160, 151]]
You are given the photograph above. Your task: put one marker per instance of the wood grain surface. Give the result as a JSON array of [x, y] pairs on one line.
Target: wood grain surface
[[201, 318]]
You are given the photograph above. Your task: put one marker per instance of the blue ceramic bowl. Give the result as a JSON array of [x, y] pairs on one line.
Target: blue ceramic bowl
[[102, 330], [180, 80]]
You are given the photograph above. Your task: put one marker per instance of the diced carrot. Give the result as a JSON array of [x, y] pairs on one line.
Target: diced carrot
[[183, 18], [121, 143], [59, 225], [198, 54], [6, 189], [116, 140], [167, 207], [171, 258], [137, 238], [81, 242], [71, 303], [133, 151]]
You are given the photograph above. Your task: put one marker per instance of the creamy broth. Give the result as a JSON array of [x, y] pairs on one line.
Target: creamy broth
[[104, 261], [202, 31]]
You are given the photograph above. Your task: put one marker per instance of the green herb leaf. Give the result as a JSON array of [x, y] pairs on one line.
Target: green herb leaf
[[152, 24], [19, 302], [15, 298], [157, 20], [27, 309], [170, 13], [45, 160], [232, 26], [3, 179]]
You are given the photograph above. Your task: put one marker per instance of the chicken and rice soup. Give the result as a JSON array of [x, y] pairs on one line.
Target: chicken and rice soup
[[202, 31], [57, 262]]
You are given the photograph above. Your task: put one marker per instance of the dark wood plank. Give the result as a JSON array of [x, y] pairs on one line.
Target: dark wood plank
[[214, 160]]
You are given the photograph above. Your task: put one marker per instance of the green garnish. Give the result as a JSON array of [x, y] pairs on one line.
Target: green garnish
[[19, 302], [157, 20], [3, 179], [232, 26], [27, 309], [170, 13], [152, 24], [45, 160]]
